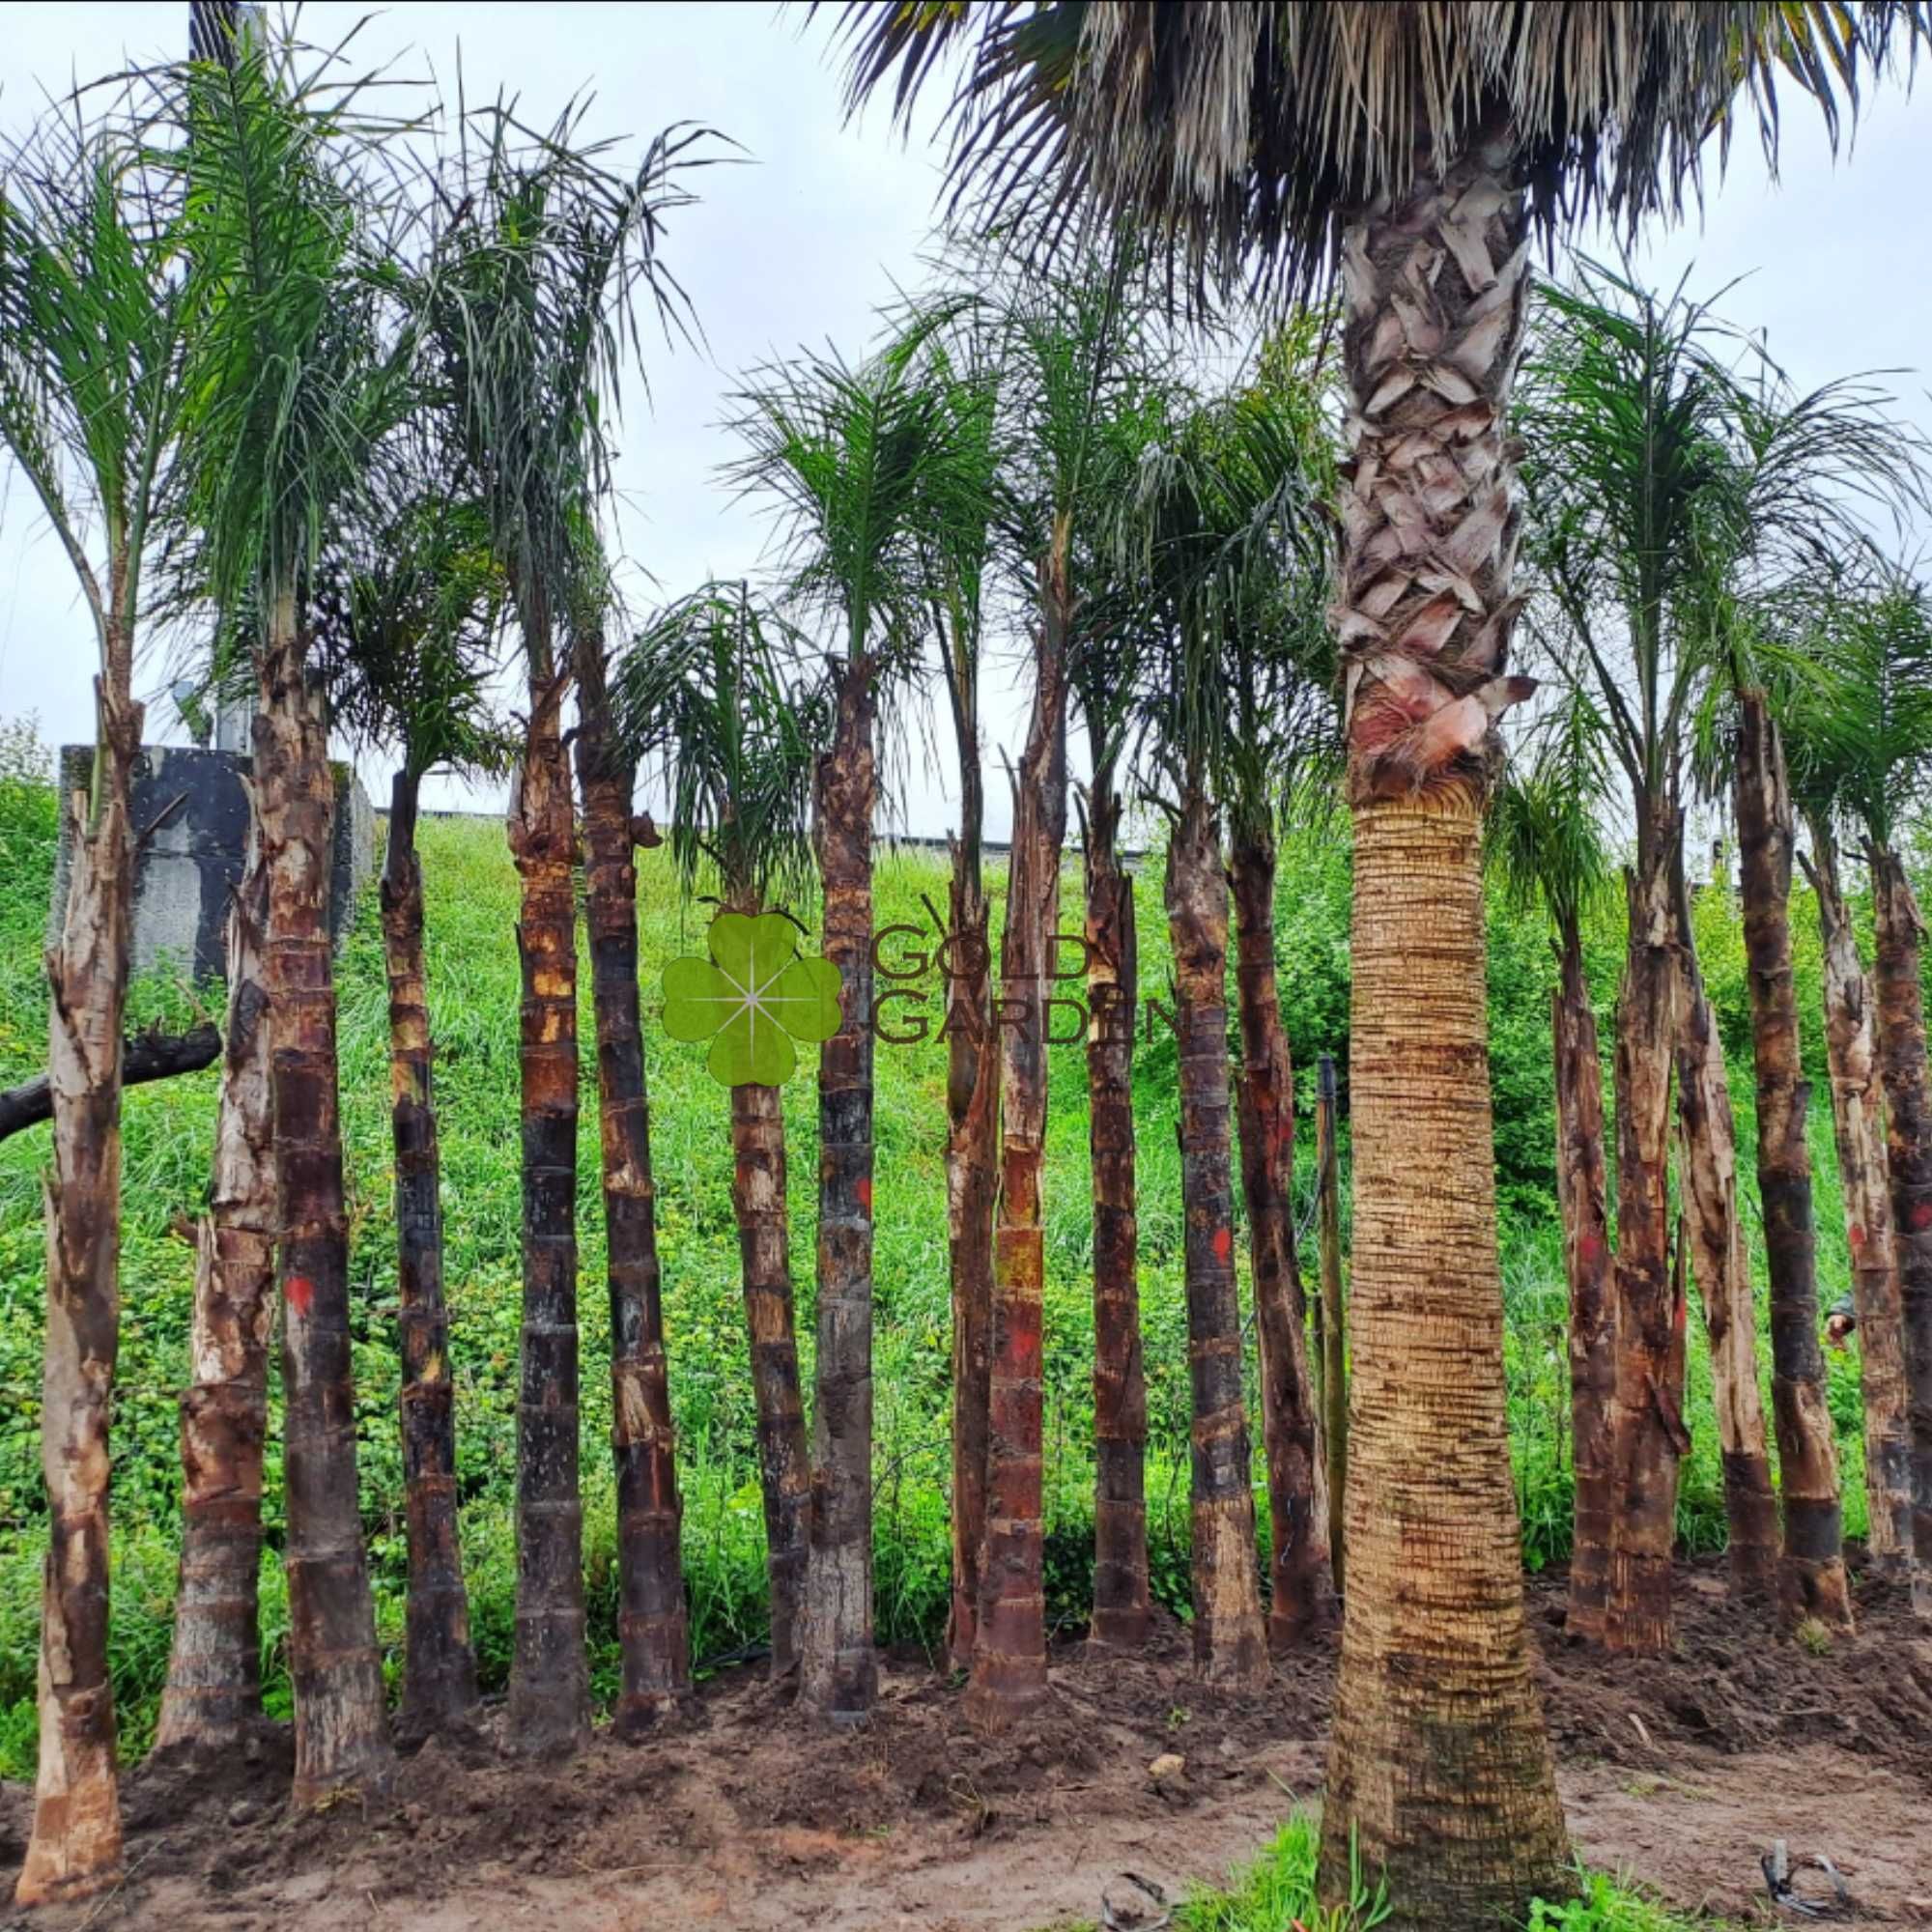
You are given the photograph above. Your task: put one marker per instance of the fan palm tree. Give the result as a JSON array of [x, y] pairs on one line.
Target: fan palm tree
[[92, 331], [531, 304], [708, 697]]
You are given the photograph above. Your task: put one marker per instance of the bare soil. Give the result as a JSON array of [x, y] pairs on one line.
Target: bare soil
[[745, 1815]]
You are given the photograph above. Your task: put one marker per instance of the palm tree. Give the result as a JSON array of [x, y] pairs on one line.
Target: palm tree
[[91, 329], [703, 696], [1546, 840], [530, 306], [1420, 146], [858, 461]]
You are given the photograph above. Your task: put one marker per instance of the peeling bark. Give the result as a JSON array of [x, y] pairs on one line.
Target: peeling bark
[[214, 1693], [1811, 1576], [440, 1667], [1301, 1593], [652, 1627]]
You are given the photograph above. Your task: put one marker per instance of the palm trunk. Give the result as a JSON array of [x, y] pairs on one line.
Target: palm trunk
[[1713, 1227], [652, 1630], [440, 1667], [839, 1673], [1811, 1576], [1907, 1097], [1583, 1195], [1121, 1612], [214, 1694], [1300, 1587], [1647, 1438], [1440, 1774], [74, 1848], [1230, 1644], [759, 1200], [549, 1687], [1858, 1119], [1009, 1652], [342, 1729], [1331, 1317]]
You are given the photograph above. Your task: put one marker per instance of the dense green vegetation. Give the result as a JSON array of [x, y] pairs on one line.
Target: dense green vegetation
[[471, 895]]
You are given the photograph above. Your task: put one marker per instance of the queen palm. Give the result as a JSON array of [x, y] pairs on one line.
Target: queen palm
[[1421, 146], [92, 332]]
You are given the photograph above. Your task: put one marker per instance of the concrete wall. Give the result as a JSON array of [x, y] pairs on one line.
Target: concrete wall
[[193, 859]]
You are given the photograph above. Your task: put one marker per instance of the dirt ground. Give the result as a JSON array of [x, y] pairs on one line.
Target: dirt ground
[[1680, 1771]]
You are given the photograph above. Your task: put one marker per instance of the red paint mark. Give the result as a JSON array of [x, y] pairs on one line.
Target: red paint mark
[[1678, 1319], [865, 1194], [1590, 1249], [1224, 1245], [1920, 1216], [301, 1293], [1858, 1236]]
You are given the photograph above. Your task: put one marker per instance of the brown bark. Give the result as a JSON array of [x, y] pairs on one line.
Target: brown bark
[[1331, 1320], [1122, 1605], [1230, 1643], [839, 1673], [1811, 1576], [1858, 1120], [74, 1847], [652, 1627], [549, 1688], [439, 1664], [1010, 1650], [1302, 1592], [1908, 1097], [1440, 1776], [1582, 1193], [213, 1692], [342, 1729]]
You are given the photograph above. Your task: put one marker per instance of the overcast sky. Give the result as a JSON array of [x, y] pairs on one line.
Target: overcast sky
[[803, 240]]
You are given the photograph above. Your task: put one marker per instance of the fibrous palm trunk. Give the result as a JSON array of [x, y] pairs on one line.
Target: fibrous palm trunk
[[74, 1848], [1583, 1195], [1858, 1119], [1009, 1648], [1647, 1438], [439, 1667], [342, 1729], [1230, 1644], [1121, 1612], [1811, 1574], [1908, 1097], [1713, 1231], [549, 1688], [1440, 1773], [1331, 1318], [839, 1673], [1302, 1592], [652, 1630], [214, 1693]]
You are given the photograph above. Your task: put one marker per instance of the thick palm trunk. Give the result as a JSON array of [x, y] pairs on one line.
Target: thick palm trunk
[[1302, 1591], [549, 1688], [652, 1630], [438, 1666], [1121, 1612], [759, 1200], [972, 1187], [1811, 1574], [1858, 1120], [1648, 1438], [1230, 1644], [342, 1729], [74, 1848], [1440, 1773], [1907, 1097], [1582, 1193], [1713, 1229], [1010, 1650], [214, 1693], [840, 1674]]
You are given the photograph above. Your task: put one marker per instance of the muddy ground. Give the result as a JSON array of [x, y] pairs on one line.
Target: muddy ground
[[1678, 1770]]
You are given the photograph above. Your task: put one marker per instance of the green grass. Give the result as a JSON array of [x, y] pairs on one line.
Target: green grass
[[473, 990]]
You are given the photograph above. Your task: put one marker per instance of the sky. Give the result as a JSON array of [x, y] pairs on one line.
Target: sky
[[817, 221]]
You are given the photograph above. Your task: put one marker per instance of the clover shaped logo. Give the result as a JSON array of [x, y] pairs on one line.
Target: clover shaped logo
[[751, 999]]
